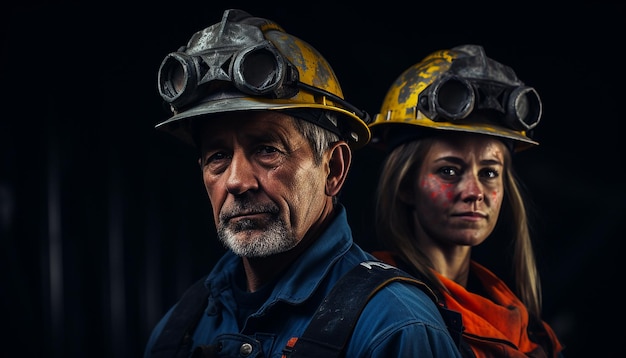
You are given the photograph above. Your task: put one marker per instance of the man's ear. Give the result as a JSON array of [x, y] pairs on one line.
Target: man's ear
[[338, 165]]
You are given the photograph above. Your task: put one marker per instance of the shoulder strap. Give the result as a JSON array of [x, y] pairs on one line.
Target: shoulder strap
[[334, 321], [175, 339], [331, 327]]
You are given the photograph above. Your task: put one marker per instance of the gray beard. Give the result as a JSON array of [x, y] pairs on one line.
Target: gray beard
[[273, 239]]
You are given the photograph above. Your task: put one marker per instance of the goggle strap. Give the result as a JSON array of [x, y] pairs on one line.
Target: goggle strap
[[364, 115]]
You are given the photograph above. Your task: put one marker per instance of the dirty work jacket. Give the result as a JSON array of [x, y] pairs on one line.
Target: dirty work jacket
[[399, 321]]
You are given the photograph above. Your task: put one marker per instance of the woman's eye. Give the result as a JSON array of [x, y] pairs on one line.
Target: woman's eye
[[490, 173], [448, 171]]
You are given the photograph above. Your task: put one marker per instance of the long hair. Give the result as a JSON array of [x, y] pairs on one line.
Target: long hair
[[394, 225]]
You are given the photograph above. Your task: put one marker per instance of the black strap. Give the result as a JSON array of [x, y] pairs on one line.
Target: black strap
[[331, 327], [176, 337], [334, 321]]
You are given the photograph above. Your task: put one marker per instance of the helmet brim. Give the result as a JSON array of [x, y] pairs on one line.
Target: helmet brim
[[178, 125], [381, 135]]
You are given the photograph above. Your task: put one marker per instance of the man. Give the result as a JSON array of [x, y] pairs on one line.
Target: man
[[275, 138]]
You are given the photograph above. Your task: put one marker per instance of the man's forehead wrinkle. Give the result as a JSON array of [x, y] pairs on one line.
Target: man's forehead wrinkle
[[252, 131]]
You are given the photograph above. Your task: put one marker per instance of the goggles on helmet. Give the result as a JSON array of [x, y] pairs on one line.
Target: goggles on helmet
[[453, 98], [257, 70]]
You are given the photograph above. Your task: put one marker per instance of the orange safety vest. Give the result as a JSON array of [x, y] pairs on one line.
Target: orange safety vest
[[496, 326]]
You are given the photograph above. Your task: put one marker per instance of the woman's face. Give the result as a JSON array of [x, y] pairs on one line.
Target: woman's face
[[459, 190]]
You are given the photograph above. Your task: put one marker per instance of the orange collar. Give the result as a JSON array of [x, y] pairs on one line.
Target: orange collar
[[496, 324]]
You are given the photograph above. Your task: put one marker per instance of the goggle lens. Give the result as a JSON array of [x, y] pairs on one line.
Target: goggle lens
[[454, 99], [260, 70], [176, 76], [526, 109]]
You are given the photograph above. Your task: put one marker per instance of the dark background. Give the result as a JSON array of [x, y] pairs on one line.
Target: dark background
[[104, 221]]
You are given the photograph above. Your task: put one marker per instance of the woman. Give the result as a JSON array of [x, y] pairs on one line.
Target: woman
[[450, 125]]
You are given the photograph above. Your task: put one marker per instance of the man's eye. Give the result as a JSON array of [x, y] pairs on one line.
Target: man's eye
[[267, 149], [211, 158]]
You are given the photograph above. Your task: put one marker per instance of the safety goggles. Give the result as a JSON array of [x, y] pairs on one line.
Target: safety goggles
[[257, 70], [454, 98]]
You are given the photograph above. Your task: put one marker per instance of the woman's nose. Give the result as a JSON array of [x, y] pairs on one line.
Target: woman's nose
[[471, 189]]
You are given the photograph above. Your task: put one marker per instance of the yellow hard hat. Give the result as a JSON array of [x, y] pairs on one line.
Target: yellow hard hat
[[249, 63], [459, 89]]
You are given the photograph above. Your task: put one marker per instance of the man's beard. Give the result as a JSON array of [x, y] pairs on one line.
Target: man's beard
[[272, 236]]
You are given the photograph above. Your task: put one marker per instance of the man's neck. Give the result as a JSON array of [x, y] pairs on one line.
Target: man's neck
[[260, 270]]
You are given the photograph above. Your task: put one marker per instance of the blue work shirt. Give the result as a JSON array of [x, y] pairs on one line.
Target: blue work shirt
[[399, 321]]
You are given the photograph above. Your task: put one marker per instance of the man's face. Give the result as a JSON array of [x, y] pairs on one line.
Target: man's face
[[265, 189]]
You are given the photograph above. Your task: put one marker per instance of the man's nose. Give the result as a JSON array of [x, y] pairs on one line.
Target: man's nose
[[241, 175]]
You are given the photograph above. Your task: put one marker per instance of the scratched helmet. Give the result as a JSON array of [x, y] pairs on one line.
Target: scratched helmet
[[459, 89], [248, 63]]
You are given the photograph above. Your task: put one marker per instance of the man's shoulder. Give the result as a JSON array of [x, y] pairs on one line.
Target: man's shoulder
[[401, 296], [379, 287], [406, 300], [401, 311]]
